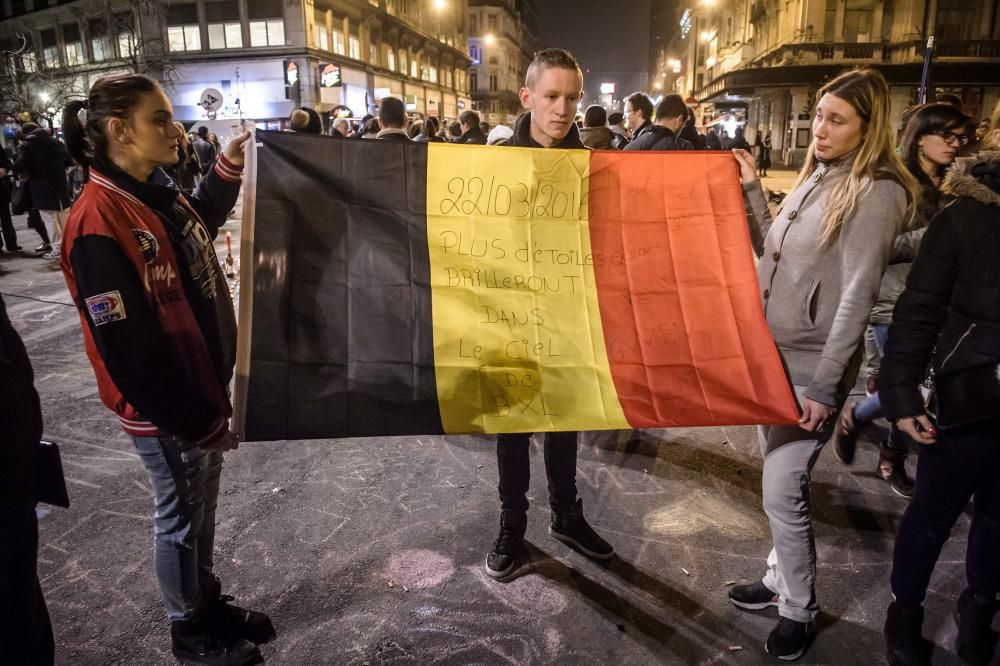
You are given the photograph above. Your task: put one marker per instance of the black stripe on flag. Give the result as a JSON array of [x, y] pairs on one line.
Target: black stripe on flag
[[342, 340]]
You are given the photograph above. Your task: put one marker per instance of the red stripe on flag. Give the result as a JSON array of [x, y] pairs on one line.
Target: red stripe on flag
[[677, 287]]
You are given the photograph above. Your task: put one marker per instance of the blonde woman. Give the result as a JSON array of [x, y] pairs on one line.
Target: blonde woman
[[821, 262]]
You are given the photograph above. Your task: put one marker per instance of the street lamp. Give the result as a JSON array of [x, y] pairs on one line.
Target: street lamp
[[44, 96], [489, 38], [439, 4]]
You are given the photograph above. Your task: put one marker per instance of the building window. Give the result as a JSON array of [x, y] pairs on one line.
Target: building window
[[182, 27], [493, 23], [493, 82], [474, 24], [100, 47], [474, 52], [74, 46], [390, 7], [225, 36], [413, 68], [434, 74], [956, 20], [183, 38], [391, 59], [354, 44], [321, 37], [50, 50], [267, 33], [267, 25], [473, 79], [338, 43], [858, 21], [224, 31], [373, 53]]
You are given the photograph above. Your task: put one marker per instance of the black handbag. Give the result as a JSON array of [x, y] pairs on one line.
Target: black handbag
[[50, 484], [20, 199], [966, 396]]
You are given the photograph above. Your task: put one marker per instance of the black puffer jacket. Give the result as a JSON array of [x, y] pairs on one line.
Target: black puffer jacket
[[658, 137], [44, 160], [949, 313]]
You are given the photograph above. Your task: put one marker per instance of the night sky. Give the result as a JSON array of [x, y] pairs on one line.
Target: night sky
[[603, 35]]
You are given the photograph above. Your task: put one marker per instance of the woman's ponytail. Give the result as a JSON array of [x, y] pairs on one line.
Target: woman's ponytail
[[75, 134]]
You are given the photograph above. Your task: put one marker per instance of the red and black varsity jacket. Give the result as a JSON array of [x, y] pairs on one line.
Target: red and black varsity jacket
[[158, 322]]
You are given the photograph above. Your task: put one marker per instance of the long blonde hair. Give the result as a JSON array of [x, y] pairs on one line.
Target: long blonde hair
[[864, 89], [988, 141]]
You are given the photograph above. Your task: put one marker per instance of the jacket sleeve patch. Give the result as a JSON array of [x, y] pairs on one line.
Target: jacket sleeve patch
[[106, 308]]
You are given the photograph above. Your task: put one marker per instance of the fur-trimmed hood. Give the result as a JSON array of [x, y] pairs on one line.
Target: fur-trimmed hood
[[976, 177]]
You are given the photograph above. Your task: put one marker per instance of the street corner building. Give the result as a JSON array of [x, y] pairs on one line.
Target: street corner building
[[403, 288]]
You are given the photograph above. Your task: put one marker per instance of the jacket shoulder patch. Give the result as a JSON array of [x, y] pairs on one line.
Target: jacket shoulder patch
[[147, 242], [106, 308]]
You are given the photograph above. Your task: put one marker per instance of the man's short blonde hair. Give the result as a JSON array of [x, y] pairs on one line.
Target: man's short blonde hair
[[547, 58]]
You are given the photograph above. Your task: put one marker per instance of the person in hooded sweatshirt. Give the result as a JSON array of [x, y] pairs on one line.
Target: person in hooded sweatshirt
[[552, 89], [595, 133]]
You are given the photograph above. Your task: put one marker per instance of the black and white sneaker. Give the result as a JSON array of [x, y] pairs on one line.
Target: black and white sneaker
[[755, 596], [789, 640], [502, 560], [199, 642], [569, 526]]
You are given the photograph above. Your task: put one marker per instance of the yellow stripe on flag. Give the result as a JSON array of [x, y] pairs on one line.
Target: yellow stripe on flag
[[518, 340]]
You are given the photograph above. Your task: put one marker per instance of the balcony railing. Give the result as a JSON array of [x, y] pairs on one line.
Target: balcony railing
[[967, 49]]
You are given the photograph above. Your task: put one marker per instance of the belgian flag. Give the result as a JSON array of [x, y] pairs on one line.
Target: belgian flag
[[393, 288]]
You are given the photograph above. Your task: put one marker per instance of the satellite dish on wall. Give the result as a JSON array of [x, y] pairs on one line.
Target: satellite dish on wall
[[211, 101]]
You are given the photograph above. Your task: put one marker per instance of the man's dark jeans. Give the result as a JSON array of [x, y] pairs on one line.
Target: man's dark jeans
[[963, 463], [515, 469], [25, 628]]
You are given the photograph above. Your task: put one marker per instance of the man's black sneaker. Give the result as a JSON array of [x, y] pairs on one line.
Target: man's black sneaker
[[509, 544], [44, 247], [199, 642], [755, 596], [569, 526], [252, 625], [892, 469], [789, 640], [976, 641], [904, 644]]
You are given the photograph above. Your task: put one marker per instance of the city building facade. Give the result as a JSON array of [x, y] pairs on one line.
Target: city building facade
[[254, 59], [761, 62], [501, 45]]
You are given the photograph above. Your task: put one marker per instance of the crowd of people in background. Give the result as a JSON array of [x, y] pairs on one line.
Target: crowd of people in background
[[881, 236]]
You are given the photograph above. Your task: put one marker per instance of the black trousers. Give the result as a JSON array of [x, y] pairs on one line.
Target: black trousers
[[963, 463], [7, 224], [36, 223], [25, 629], [515, 469]]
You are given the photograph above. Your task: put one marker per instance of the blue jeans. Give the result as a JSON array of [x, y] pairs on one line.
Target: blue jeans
[[870, 408], [185, 482]]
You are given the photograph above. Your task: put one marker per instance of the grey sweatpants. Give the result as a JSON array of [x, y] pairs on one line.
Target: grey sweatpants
[[789, 456]]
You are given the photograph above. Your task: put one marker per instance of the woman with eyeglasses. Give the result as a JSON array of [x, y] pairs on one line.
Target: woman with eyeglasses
[[932, 138], [949, 317]]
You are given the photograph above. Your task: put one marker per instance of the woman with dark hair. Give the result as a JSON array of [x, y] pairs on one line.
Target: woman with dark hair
[[159, 329], [949, 317], [430, 132], [931, 140]]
